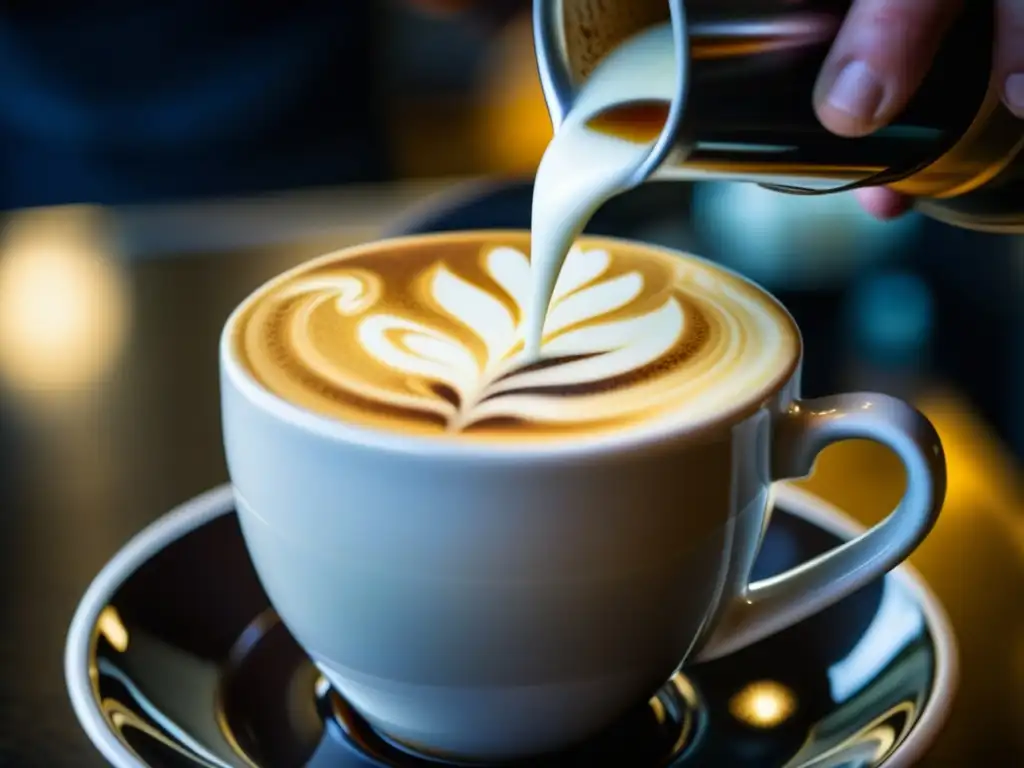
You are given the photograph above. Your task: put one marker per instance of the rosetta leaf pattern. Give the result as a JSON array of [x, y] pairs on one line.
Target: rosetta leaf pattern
[[582, 342]]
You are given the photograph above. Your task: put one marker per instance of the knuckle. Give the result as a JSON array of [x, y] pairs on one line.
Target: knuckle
[[900, 36], [908, 17]]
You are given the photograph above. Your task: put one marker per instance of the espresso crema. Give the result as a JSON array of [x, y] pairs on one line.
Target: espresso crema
[[427, 336]]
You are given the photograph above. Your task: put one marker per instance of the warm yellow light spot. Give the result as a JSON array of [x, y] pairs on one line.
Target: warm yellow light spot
[[659, 710], [982, 476], [512, 124], [764, 704], [113, 629], [63, 304]]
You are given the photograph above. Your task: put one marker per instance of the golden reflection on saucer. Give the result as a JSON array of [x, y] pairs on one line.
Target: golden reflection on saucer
[[112, 629], [63, 304], [763, 704]]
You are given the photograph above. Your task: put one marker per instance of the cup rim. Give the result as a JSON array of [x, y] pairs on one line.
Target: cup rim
[[233, 374]]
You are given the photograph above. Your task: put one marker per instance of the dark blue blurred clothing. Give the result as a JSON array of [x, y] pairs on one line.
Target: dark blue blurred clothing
[[115, 101]]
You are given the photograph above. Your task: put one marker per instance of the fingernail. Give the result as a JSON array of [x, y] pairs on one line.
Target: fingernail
[[1013, 90], [857, 92]]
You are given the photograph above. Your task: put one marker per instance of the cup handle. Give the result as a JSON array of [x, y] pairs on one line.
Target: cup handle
[[807, 428]]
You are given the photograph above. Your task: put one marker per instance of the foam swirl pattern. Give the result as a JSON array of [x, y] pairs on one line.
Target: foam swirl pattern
[[426, 337]]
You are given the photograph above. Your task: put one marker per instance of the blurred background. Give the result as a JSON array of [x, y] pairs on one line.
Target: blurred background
[[160, 161], [370, 120]]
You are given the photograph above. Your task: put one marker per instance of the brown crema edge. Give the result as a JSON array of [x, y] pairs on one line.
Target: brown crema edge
[[391, 418]]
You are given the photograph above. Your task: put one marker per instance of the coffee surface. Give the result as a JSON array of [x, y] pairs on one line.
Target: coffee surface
[[426, 336]]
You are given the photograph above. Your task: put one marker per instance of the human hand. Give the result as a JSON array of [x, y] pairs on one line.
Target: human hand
[[880, 57]]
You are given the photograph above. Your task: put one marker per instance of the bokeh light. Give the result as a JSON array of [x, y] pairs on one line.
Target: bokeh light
[[763, 704], [63, 302]]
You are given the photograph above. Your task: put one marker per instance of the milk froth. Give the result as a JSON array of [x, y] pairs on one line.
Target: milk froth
[[426, 336]]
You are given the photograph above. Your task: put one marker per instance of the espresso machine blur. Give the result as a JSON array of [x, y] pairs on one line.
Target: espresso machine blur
[[741, 107]]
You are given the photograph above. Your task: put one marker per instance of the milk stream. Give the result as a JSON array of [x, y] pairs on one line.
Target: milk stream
[[583, 168]]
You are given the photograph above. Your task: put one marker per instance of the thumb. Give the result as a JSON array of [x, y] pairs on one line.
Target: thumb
[[878, 60], [1010, 54]]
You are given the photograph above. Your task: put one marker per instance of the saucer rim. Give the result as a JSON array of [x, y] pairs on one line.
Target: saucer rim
[[208, 506]]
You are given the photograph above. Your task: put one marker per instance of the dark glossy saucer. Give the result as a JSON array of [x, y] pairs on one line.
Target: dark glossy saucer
[[175, 658]]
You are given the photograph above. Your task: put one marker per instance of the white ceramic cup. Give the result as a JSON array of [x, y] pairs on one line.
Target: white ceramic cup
[[488, 604]]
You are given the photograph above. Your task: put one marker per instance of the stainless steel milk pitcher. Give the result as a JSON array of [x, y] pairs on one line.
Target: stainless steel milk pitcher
[[743, 109]]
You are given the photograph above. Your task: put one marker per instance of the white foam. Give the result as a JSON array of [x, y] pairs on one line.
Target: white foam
[[418, 349], [479, 311], [603, 324]]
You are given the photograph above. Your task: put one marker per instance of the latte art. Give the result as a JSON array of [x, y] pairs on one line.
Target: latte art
[[429, 338]]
